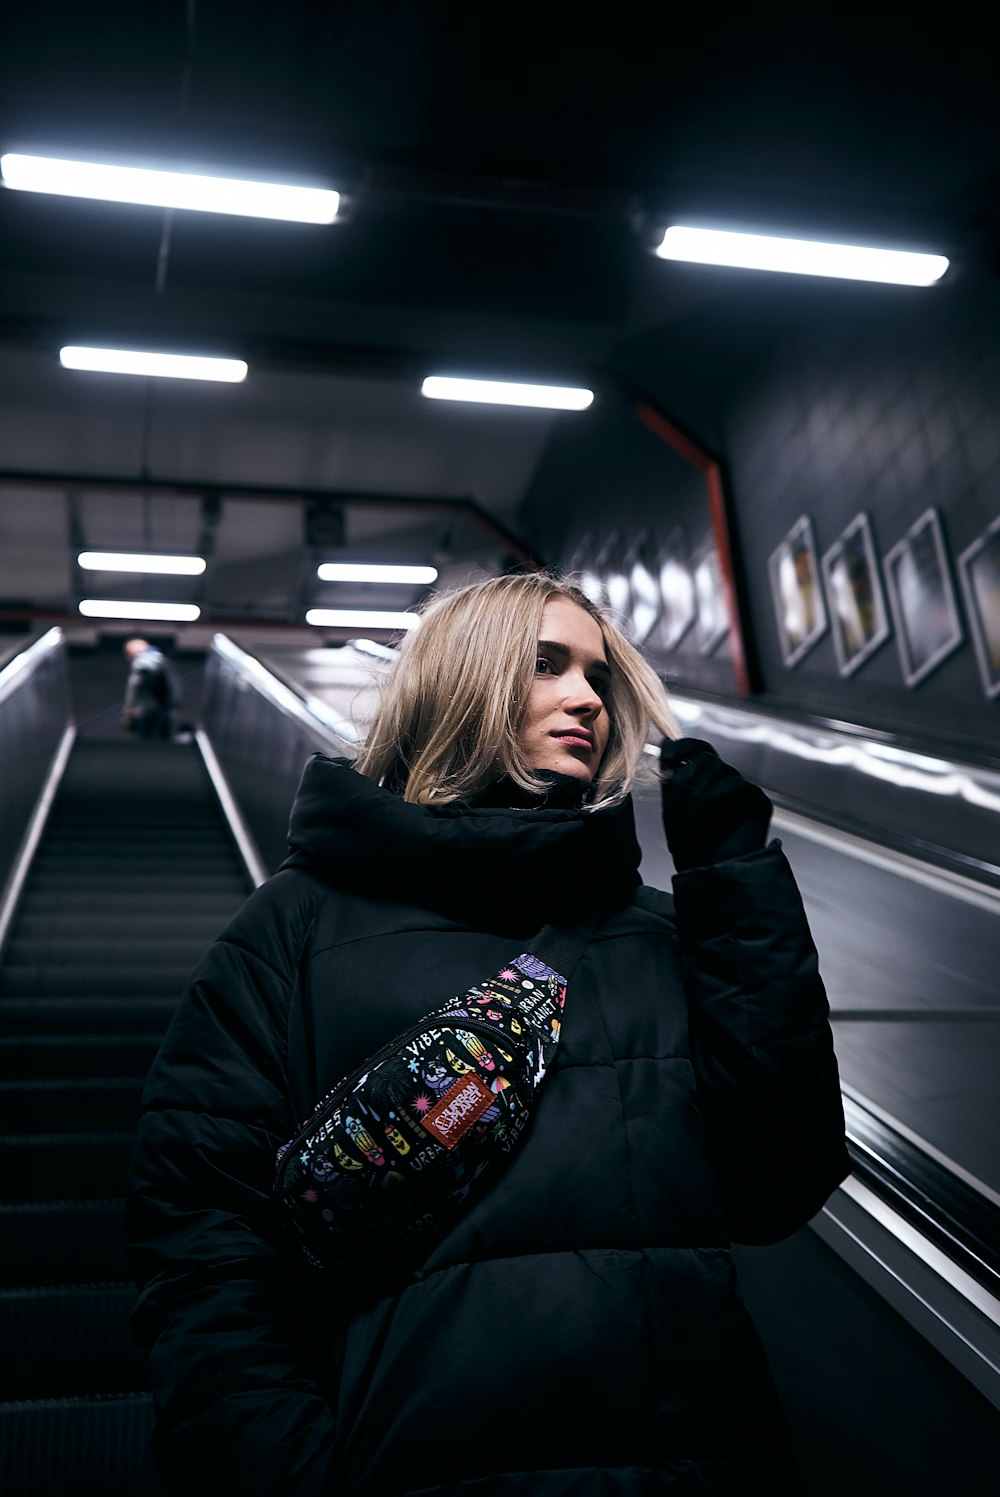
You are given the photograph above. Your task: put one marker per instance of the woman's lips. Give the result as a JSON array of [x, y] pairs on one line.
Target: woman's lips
[[575, 740]]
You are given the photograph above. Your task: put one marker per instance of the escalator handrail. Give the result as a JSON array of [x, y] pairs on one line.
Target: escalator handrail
[[22, 666], [307, 712]]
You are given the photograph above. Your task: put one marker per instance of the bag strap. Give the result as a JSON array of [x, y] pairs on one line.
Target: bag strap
[[561, 947]]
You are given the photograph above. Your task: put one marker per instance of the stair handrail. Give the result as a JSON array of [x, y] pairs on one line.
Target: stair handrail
[[24, 664], [307, 711]]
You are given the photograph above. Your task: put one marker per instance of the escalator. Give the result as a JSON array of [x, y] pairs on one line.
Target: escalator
[[881, 1319], [134, 876]]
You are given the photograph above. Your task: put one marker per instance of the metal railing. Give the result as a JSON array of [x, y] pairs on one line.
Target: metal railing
[[36, 733]]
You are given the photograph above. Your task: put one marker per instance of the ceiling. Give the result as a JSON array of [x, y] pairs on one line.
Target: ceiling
[[505, 175]]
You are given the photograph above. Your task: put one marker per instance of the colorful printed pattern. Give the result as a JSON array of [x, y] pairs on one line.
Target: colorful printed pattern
[[393, 1151]]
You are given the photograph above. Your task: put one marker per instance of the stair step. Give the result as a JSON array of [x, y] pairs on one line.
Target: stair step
[[147, 880], [34, 1107], [150, 981], [60, 1016], [82, 900], [64, 1166], [63, 1242], [66, 951], [80, 1056], [175, 861], [106, 925], [78, 1447], [67, 1339]]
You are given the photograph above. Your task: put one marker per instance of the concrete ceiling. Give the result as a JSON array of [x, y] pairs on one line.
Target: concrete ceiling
[[505, 175]]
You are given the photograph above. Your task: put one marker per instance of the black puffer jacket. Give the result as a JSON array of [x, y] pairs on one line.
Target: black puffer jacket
[[581, 1331]]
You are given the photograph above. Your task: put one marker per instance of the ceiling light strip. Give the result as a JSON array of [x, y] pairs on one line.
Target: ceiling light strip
[[167, 189], [350, 571], [852, 262], [121, 561], [158, 365], [361, 618], [111, 608], [506, 392]]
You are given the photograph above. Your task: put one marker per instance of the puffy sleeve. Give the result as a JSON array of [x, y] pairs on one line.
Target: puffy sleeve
[[236, 1409], [762, 1047]]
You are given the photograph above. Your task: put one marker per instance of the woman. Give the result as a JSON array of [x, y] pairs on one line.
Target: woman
[[580, 1330]]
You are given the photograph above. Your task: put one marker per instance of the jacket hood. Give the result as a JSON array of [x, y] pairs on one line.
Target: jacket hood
[[526, 865]]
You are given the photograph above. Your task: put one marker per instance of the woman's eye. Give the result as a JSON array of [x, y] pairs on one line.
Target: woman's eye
[[542, 666]]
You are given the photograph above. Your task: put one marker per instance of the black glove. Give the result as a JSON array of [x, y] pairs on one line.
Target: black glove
[[710, 812]]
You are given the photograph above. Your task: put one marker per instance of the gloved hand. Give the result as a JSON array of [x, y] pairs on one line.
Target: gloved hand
[[710, 812]]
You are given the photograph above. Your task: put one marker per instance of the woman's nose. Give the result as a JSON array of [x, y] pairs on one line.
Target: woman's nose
[[581, 696]]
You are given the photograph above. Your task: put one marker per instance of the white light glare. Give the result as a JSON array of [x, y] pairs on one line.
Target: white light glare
[[360, 618], [354, 571], [163, 365], [506, 392], [120, 561], [108, 608], [159, 189], [371, 647], [849, 262]]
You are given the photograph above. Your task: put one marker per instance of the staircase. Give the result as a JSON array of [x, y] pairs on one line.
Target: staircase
[[135, 876]]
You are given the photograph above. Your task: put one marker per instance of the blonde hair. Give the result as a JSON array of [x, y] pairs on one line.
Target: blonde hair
[[449, 713]]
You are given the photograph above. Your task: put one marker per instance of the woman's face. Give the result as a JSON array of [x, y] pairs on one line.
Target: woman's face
[[565, 725]]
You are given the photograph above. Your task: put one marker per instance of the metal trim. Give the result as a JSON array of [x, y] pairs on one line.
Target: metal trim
[[306, 712], [33, 834], [241, 834], [16, 671], [956, 1315]]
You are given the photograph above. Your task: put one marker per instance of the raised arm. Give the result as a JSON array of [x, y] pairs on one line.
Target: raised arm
[[762, 1047]]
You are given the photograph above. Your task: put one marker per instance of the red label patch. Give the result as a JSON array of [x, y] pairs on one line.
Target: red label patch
[[452, 1117]]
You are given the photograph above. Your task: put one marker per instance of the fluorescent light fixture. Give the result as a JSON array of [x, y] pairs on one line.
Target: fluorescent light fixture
[[372, 647], [160, 189], [119, 561], [162, 365], [506, 392], [108, 608], [355, 571], [361, 618], [849, 262]]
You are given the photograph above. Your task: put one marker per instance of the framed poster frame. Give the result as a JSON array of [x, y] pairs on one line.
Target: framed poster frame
[[922, 598], [854, 595], [979, 574], [794, 563], [746, 676]]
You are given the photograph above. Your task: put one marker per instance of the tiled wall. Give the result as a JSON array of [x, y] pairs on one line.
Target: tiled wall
[[888, 405]]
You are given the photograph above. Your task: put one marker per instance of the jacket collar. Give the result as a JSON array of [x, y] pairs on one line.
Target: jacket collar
[[524, 865]]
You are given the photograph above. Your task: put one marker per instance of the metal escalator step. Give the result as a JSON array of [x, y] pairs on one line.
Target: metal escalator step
[[66, 1339], [152, 925], [54, 1016], [64, 1166], [56, 951], [100, 859], [63, 1242], [148, 879], [61, 1107], [82, 900], [150, 981], [78, 1447], [84, 1056]]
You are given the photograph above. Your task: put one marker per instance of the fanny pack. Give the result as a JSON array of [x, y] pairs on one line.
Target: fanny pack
[[386, 1162]]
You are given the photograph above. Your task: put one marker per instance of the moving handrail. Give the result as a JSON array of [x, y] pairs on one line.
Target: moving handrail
[[35, 739], [873, 785]]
